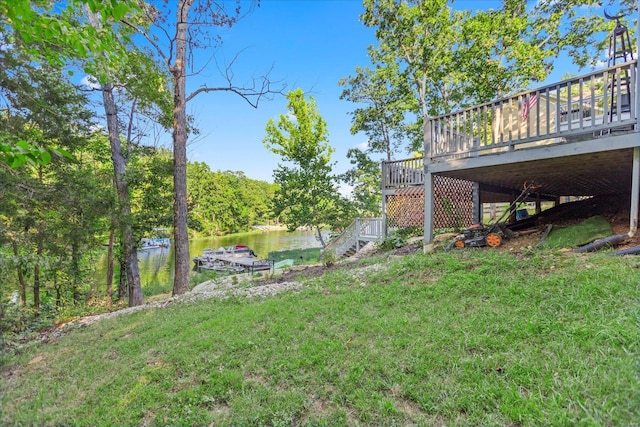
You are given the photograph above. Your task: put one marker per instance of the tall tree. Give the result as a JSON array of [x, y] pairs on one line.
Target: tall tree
[[386, 98], [365, 179], [194, 23], [308, 195], [127, 75], [58, 207], [60, 34], [455, 58]]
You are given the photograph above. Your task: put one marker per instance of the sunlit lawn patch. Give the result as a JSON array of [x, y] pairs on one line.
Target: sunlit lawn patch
[[464, 338]]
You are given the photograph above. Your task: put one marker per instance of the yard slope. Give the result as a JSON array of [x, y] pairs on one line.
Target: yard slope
[[459, 338]]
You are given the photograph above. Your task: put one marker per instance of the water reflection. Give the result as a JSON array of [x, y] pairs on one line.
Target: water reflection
[[156, 265]]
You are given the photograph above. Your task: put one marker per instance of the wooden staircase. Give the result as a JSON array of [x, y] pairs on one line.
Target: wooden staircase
[[353, 238]]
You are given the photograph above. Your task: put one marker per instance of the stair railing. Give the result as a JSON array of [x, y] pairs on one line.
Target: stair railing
[[369, 229]]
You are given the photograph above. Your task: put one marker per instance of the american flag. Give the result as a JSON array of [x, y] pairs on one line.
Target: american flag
[[528, 104]]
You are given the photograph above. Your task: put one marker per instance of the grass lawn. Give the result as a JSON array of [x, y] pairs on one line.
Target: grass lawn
[[299, 256], [461, 338]]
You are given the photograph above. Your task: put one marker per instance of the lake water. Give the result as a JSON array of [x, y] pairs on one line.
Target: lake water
[[156, 265]]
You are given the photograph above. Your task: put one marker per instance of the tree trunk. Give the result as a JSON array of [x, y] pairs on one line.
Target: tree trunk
[[112, 233], [58, 289], [21, 282], [122, 188], [75, 268], [122, 281], [36, 278], [318, 230], [180, 232]]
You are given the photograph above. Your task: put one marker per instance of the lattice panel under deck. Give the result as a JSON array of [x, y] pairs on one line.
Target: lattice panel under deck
[[453, 205]]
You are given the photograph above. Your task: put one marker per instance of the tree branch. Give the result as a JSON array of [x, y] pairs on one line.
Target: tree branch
[[152, 42], [259, 88]]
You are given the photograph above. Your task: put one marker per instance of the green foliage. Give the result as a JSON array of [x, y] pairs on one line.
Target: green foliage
[[17, 321], [386, 97], [308, 192], [466, 338], [328, 258], [51, 215], [398, 238], [51, 34], [54, 33], [227, 202], [365, 178], [22, 152]]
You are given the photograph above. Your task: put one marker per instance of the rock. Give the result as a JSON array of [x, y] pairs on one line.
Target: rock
[[445, 237]]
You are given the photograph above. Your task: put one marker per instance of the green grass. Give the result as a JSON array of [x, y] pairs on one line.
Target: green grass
[[596, 227], [462, 338], [300, 256]]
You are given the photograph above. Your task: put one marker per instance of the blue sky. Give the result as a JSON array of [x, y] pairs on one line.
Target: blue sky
[[309, 44]]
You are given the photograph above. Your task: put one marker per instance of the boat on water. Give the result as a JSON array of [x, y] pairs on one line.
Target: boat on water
[[231, 259], [234, 251], [160, 239], [157, 242]]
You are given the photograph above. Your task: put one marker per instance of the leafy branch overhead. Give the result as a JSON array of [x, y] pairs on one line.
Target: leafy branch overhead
[[453, 58], [51, 33]]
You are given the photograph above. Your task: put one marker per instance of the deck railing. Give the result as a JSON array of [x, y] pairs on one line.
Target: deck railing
[[403, 173], [592, 104]]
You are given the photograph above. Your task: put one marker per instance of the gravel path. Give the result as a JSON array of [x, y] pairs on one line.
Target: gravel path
[[219, 289]]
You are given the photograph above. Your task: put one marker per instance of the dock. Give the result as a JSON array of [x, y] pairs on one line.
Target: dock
[[232, 264]]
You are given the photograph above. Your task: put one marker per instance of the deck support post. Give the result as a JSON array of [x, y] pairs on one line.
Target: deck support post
[[427, 135], [384, 200], [428, 211], [477, 203], [635, 193], [635, 170]]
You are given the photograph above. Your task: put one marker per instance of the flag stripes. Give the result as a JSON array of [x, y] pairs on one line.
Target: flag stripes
[[527, 104]]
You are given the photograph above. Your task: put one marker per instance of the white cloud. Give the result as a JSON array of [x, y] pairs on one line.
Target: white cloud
[[346, 190], [601, 64], [363, 146], [90, 81]]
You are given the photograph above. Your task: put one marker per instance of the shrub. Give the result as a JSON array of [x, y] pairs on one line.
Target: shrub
[[398, 237], [328, 258]]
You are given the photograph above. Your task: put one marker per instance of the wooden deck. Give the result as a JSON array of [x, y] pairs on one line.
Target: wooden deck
[[578, 138]]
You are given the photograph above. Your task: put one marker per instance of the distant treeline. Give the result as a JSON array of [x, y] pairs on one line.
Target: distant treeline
[[226, 202]]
